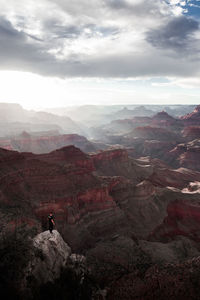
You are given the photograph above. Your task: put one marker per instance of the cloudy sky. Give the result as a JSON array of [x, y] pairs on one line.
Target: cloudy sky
[[72, 52]]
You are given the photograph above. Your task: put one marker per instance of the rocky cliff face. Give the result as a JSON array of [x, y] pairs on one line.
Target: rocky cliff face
[[160, 136], [90, 194], [191, 133], [185, 155], [192, 118], [107, 206]]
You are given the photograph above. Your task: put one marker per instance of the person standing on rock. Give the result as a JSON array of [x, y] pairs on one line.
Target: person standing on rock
[[51, 222]]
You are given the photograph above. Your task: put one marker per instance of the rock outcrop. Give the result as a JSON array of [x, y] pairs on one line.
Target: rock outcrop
[[49, 258], [185, 155], [192, 118], [164, 120]]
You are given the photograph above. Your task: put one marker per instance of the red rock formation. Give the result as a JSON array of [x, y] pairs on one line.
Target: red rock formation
[[154, 133], [121, 126], [163, 116], [68, 155], [192, 119], [157, 149], [112, 207], [183, 218], [67, 181], [191, 133], [110, 155], [61, 181], [46, 143], [174, 178], [186, 155]]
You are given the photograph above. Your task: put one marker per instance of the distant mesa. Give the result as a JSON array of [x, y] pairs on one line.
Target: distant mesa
[[14, 119], [163, 115], [25, 135], [137, 111], [46, 142]]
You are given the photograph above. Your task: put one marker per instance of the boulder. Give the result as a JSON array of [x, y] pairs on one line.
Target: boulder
[[50, 255]]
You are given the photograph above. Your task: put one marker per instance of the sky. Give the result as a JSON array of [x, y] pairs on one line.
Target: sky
[[56, 53]]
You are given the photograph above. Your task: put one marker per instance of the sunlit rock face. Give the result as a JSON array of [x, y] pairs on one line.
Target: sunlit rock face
[[192, 118], [186, 155]]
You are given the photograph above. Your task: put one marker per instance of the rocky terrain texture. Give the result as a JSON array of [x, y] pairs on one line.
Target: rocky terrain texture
[[192, 118], [131, 213], [53, 255], [48, 270], [124, 214], [173, 140]]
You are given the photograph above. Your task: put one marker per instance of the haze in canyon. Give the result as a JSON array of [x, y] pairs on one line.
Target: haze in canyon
[[100, 125]]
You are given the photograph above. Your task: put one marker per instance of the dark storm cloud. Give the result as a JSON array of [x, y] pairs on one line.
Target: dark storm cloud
[[25, 52], [176, 34], [149, 64], [141, 8], [7, 31], [19, 53]]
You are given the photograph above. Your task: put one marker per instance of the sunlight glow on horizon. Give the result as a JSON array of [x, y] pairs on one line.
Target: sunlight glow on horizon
[[34, 91]]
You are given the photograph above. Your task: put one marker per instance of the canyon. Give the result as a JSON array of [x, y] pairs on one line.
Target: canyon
[[131, 209]]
